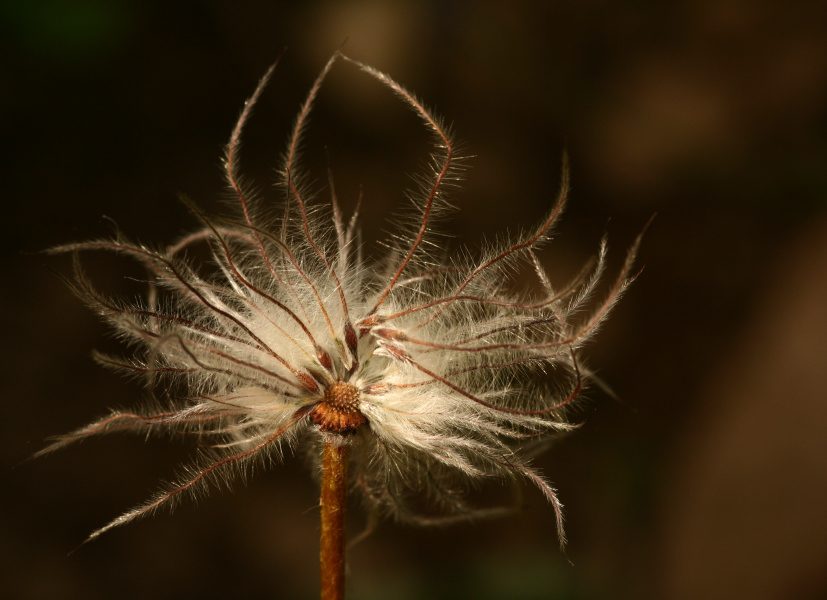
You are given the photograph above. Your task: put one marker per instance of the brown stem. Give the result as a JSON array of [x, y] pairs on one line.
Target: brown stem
[[333, 503]]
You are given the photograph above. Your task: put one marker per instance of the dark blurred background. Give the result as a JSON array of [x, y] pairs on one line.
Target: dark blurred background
[[707, 478]]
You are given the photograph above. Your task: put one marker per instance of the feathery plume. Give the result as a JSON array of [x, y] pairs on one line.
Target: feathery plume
[[419, 363]]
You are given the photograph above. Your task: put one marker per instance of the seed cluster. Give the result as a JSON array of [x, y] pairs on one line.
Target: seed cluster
[[338, 410]]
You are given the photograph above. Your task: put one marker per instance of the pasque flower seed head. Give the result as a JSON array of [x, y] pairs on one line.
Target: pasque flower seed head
[[422, 363]]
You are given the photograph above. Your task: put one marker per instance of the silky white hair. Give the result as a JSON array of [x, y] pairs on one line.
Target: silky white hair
[[457, 378]]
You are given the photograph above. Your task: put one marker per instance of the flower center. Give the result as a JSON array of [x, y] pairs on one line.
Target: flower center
[[338, 411]]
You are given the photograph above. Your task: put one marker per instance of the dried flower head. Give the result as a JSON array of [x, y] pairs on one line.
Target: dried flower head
[[421, 363]]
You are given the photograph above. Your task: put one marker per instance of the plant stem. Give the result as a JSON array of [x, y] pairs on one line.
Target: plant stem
[[333, 503]]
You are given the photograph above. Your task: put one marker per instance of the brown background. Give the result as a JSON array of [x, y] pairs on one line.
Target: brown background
[[708, 479]]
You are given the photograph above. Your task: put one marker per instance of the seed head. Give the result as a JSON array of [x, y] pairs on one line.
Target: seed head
[[338, 411], [430, 366]]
